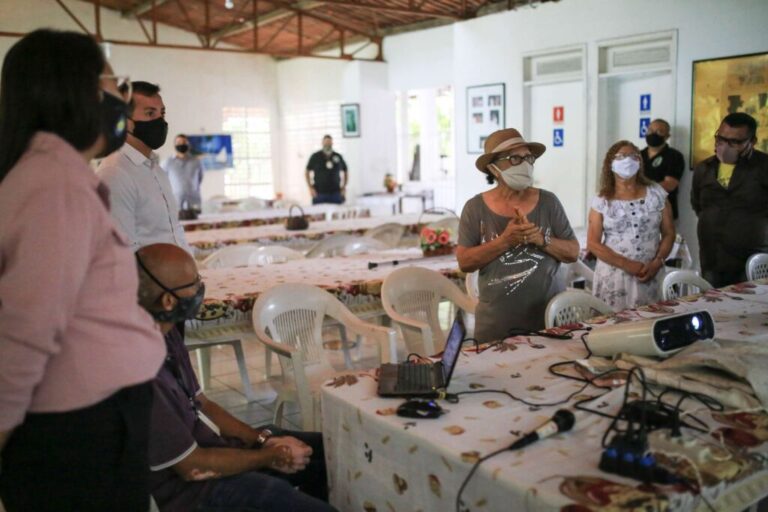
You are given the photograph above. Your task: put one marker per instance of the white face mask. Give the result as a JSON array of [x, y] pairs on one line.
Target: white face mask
[[625, 168], [518, 177]]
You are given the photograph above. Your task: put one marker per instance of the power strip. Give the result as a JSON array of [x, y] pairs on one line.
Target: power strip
[[626, 455]]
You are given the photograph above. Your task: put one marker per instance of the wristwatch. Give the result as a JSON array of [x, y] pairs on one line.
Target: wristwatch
[[547, 237], [263, 437]]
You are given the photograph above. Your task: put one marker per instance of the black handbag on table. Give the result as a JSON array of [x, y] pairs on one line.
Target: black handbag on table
[[298, 222]]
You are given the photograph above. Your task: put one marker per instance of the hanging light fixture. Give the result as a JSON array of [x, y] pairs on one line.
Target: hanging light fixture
[[229, 4]]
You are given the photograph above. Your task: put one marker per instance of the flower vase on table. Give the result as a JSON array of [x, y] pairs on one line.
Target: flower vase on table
[[436, 242]]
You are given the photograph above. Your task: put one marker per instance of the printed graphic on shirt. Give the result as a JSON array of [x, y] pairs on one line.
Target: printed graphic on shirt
[[521, 262]]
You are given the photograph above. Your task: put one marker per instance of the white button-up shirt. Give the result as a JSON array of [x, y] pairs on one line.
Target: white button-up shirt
[[141, 198]]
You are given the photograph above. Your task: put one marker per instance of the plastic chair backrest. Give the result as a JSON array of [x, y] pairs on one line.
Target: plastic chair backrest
[[230, 256], [573, 306], [270, 254], [472, 285], [757, 266], [415, 293], [578, 270], [252, 203], [681, 283], [390, 233], [344, 245]]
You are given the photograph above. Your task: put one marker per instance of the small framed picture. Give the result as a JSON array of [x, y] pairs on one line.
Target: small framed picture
[[350, 120], [485, 114]]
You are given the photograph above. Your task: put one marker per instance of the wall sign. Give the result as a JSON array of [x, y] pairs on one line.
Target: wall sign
[[558, 114], [644, 123], [558, 137], [645, 103]]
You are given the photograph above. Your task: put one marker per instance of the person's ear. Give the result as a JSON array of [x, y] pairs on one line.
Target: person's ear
[[167, 301]]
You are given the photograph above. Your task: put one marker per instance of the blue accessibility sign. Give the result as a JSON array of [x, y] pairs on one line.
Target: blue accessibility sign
[[645, 103], [558, 137], [645, 122]]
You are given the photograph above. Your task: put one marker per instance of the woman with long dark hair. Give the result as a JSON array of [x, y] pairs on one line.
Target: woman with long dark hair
[[631, 231], [76, 351]]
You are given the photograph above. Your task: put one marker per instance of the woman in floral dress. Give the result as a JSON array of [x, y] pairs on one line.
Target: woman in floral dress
[[631, 231]]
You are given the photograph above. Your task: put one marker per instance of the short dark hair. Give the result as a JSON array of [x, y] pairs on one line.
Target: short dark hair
[[181, 135], [662, 121], [737, 120], [145, 89], [326, 136], [49, 82]]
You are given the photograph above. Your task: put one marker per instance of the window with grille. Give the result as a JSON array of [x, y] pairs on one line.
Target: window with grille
[[252, 152]]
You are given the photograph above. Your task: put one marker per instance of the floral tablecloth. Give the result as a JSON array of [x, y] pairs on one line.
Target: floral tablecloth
[[256, 218], [231, 292], [206, 241], [378, 461]]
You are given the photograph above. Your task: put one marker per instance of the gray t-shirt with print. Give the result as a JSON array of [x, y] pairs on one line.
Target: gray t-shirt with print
[[516, 287]]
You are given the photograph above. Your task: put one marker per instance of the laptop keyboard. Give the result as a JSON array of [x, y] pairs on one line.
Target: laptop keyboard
[[414, 377]]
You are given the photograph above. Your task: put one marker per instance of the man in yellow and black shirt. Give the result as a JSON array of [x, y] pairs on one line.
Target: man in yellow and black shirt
[[730, 197]]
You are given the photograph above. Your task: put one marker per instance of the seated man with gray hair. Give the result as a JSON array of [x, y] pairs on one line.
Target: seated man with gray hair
[[202, 458]]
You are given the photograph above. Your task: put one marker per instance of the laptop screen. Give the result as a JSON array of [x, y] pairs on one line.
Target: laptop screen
[[453, 347]]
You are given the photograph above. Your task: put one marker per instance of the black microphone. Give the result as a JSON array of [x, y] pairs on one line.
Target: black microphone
[[562, 421]]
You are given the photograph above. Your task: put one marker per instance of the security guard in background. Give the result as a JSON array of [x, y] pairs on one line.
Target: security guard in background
[[327, 174], [662, 163]]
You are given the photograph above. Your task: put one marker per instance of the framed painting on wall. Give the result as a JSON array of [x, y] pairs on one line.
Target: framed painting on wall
[[723, 86], [486, 113], [350, 120]]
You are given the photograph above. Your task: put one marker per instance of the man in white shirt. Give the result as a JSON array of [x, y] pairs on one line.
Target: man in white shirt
[[141, 197]]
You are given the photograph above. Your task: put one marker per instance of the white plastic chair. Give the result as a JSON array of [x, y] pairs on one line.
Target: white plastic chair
[[283, 203], [344, 245], [572, 306], [578, 270], [250, 204], [288, 319], [201, 340], [230, 256], [681, 283], [216, 204], [337, 211], [411, 297], [270, 254], [390, 233], [473, 287], [757, 266]]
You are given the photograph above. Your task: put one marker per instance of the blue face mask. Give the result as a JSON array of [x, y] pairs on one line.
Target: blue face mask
[[186, 307]]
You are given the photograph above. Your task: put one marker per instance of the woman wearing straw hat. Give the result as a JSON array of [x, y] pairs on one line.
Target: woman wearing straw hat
[[516, 236]]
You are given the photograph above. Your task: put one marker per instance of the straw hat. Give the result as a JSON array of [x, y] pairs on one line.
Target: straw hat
[[503, 141]]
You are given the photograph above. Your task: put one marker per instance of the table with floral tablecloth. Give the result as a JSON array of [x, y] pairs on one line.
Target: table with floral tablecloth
[[258, 217], [378, 461], [231, 292], [207, 241]]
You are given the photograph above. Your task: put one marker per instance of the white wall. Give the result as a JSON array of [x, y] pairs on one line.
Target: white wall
[[419, 60], [196, 85], [490, 49], [303, 82]]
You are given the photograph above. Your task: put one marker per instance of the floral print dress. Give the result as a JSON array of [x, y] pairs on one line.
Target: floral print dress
[[632, 229]]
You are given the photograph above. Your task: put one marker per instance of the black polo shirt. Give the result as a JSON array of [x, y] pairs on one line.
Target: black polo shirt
[[668, 162], [326, 169]]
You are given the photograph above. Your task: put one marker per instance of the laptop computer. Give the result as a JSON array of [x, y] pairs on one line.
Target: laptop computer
[[414, 380]]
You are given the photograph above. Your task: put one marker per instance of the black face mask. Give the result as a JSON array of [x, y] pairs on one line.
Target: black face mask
[[182, 148], [186, 307], [114, 118], [152, 133], [654, 140]]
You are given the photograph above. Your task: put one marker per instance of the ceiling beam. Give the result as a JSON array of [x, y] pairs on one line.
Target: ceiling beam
[[395, 10], [142, 8], [264, 19]]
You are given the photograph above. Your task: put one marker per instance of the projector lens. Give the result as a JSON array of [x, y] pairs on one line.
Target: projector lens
[[696, 323]]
